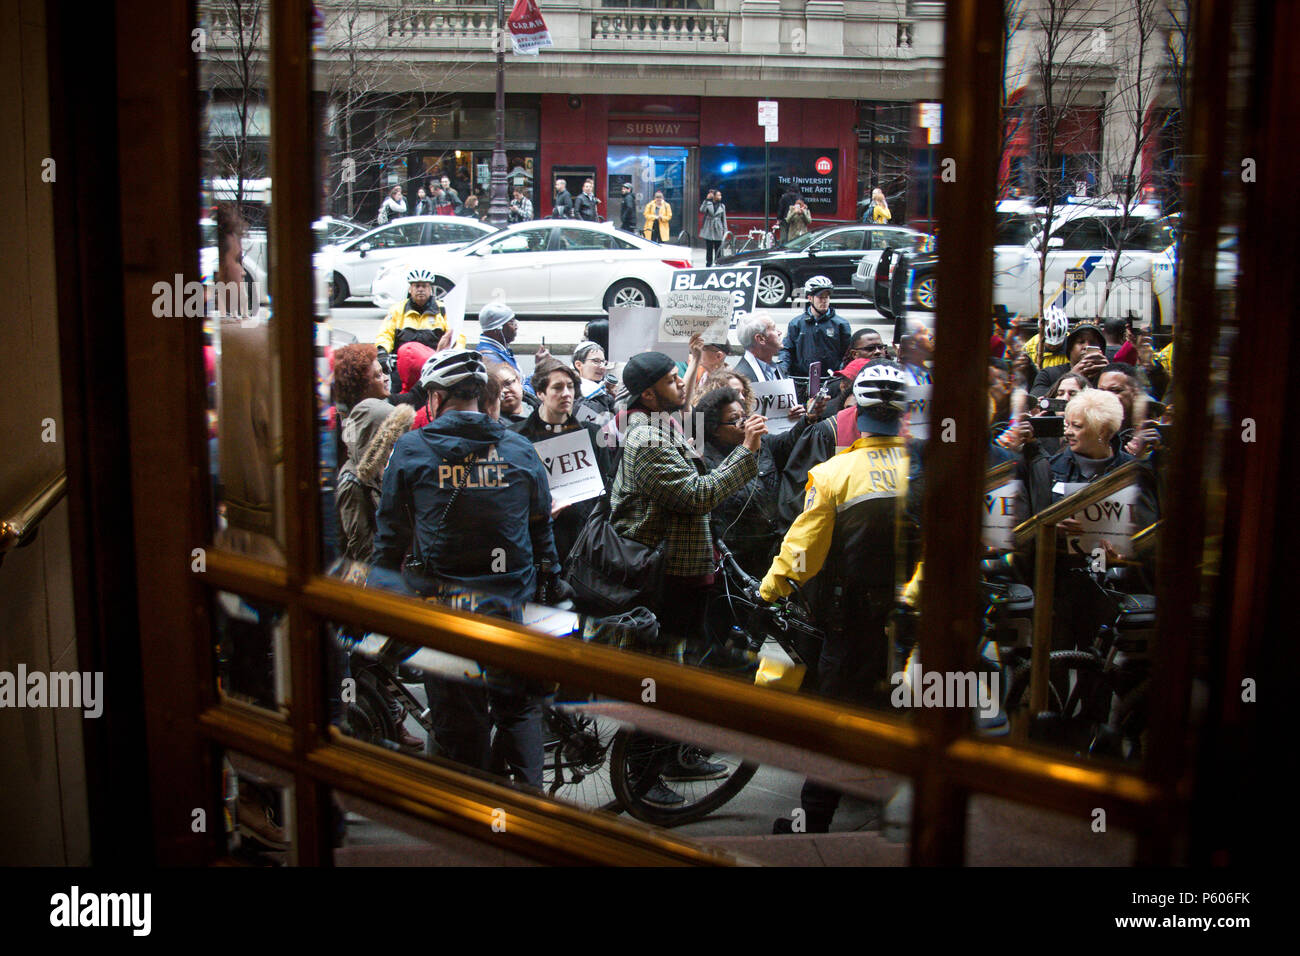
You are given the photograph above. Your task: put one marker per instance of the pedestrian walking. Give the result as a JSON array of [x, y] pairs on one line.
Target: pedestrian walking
[[713, 224]]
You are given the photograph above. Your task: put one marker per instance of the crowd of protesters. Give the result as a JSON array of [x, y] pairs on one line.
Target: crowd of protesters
[[441, 489]]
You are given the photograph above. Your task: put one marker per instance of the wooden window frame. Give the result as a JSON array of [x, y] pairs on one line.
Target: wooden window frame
[[185, 718]]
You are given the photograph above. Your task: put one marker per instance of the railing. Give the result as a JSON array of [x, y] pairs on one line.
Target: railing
[[696, 26], [468, 23], [1043, 525], [17, 530]]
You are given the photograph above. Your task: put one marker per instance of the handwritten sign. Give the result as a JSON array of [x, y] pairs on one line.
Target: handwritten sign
[[741, 283], [690, 313], [1113, 518], [1001, 516], [773, 400], [918, 410], [571, 467]]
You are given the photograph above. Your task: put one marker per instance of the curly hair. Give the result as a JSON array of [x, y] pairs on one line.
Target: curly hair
[[710, 408], [722, 379], [352, 372]]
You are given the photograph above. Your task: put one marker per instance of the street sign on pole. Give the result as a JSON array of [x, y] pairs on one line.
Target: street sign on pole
[[769, 134], [767, 112]]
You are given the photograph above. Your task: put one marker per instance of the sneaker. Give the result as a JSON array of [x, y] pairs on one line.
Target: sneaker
[[660, 796], [692, 764]]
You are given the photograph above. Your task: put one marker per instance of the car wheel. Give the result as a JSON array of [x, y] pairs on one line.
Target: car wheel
[[925, 293], [441, 287], [773, 289], [338, 290], [629, 293]]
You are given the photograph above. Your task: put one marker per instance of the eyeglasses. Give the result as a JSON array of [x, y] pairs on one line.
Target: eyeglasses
[[868, 349], [737, 422]]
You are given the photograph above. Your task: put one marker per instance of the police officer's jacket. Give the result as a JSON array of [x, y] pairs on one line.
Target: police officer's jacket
[[498, 528], [811, 338], [847, 527]]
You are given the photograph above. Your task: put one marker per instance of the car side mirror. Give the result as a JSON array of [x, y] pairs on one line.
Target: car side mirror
[[1055, 242], [364, 248], [483, 251]]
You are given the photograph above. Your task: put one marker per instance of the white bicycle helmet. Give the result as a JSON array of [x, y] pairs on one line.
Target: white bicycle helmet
[[880, 391], [419, 274], [450, 368], [1056, 326], [817, 285]]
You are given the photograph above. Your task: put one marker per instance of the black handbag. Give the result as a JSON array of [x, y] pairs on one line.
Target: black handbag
[[609, 573]]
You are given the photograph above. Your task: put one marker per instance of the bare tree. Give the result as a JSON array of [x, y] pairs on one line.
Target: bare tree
[[1130, 118], [233, 70]]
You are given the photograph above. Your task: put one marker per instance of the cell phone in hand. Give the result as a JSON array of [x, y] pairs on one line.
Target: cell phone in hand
[[814, 378], [1047, 426]]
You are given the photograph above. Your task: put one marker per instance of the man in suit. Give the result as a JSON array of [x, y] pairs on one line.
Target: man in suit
[[761, 341]]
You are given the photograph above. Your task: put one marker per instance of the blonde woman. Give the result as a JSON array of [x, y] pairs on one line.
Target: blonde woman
[[879, 208]]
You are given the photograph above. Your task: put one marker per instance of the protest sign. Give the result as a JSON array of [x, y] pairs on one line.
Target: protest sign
[[1000, 516], [918, 410], [740, 282], [685, 314], [632, 330], [571, 467], [773, 400], [1114, 518]]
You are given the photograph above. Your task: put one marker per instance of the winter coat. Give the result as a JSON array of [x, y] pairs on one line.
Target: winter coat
[[371, 430], [406, 323], [797, 221], [714, 224], [627, 217], [563, 208], [502, 510], [567, 525], [808, 339], [664, 217], [584, 208], [391, 209], [424, 207], [748, 520]]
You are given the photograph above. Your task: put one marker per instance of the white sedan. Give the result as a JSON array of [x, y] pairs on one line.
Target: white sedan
[[546, 267], [352, 265]]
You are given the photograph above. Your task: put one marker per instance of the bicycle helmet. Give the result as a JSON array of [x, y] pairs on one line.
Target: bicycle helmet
[[880, 391], [448, 369], [817, 285], [1056, 326], [419, 274]]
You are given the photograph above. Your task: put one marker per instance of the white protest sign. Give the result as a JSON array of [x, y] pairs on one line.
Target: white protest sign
[[571, 467], [918, 410], [1114, 518], [740, 281], [1000, 516], [688, 313], [632, 330], [453, 303], [773, 400]]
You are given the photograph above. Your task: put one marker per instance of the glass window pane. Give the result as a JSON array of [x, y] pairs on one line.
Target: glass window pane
[[258, 802], [251, 645]]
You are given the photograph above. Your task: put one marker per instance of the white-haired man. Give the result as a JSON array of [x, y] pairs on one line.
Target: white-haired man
[[761, 341]]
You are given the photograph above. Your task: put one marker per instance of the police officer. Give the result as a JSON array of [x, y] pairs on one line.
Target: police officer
[[818, 334], [845, 541], [466, 513]]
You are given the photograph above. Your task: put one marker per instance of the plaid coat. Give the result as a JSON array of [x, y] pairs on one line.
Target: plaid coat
[[663, 491]]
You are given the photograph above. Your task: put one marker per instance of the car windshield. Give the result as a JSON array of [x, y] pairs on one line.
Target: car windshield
[[1013, 229], [802, 242]]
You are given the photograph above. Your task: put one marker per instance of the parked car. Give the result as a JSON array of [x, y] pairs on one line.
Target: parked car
[[907, 279], [352, 266], [864, 278], [834, 252], [331, 231], [546, 267], [254, 260]]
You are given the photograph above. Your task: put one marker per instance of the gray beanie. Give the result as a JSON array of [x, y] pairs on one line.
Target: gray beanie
[[494, 316]]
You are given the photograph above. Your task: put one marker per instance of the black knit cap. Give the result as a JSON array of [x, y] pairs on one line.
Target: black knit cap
[[644, 369]]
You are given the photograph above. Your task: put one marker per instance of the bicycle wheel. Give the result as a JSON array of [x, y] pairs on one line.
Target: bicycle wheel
[[1081, 693], [577, 763], [369, 715], [639, 763]]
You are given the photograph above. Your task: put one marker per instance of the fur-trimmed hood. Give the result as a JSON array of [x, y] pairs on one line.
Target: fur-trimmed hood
[[369, 452]]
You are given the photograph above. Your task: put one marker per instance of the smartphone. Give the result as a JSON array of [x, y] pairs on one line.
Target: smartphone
[[1047, 426], [814, 378], [1053, 406]]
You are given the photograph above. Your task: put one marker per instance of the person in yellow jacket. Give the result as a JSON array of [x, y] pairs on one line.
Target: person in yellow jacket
[[420, 318], [845, 538], [1056, 326], [658, 211]]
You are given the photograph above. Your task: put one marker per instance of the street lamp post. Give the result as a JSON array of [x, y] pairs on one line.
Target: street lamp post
[[499, 208]]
